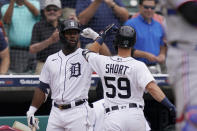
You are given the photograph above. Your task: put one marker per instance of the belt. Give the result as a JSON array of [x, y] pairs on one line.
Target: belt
[[67, 106], [131, 105]]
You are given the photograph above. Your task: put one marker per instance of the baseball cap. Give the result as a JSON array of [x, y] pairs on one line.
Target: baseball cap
[[52, 2]]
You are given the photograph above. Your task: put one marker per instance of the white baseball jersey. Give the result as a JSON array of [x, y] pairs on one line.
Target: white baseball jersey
[[177, 29], [69, 77], [124, 79]]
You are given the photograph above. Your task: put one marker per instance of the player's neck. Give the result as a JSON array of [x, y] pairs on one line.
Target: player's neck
[[124, 52]]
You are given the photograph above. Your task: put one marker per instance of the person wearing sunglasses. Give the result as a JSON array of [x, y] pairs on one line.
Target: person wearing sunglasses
[[45, 36], [150, 35], [19, 17]]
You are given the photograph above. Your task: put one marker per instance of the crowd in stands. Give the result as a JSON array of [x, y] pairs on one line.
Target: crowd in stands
[[30, 29]]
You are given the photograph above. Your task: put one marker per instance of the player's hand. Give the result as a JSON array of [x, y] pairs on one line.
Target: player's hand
[[173, 114], [89, 33], [109, 30], [32, 121]]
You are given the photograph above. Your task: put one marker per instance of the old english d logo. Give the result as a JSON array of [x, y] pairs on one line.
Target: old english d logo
[[75, 69]]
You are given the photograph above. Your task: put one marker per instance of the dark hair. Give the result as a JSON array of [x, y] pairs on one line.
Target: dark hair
[[141, 1]]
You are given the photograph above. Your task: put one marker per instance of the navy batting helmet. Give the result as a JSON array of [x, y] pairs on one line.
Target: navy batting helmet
[[67, 25], [126, 37]]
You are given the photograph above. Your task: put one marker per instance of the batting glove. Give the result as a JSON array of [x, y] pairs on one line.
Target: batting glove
[[89, 33], [32, 121]]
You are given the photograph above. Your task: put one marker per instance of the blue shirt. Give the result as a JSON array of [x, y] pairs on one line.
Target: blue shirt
[[20, 30], [149, 36], [3, 43], [102, 18]]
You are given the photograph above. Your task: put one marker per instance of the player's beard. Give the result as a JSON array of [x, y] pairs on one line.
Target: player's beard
[[70, 47]]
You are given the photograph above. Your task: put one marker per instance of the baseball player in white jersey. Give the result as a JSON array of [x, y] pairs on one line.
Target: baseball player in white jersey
[[181, 30], [68, 76], [124, 81]]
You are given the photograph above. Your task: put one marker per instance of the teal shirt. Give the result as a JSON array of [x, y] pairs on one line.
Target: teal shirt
[[20, 30]]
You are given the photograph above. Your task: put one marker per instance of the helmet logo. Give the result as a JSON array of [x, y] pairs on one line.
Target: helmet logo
[[72, 23], [126, 42]]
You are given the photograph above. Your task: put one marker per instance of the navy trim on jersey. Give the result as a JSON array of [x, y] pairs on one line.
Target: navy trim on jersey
[[85, 52], [60, 67], [43, 86]]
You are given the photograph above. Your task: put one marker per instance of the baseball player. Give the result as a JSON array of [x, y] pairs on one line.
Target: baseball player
[[181, 30], [124, 81], [68, 76]]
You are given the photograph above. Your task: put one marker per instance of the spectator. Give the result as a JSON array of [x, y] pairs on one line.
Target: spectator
[[98, 14], [3, 2], [19, 16], [45, 35], [3, 31], [4, 55], [68, 8], [150, 35], [157, 17]]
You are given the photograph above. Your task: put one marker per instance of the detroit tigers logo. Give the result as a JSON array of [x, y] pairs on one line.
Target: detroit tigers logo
[[75, 69]]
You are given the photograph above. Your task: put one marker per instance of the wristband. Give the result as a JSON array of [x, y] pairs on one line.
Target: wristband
[[32, 109], [167, 103], [100, 40]]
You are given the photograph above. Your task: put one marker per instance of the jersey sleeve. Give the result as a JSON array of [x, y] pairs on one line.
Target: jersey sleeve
[[143, 75], [93, 59], [45, 73]]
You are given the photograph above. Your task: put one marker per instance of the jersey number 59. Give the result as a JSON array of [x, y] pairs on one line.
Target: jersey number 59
[[119, 81]]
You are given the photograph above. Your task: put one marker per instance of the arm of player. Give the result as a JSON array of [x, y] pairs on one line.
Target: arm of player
[[159, 96], [40, 96]]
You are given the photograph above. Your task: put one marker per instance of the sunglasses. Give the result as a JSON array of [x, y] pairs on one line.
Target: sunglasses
[[149, 7], [52, 9]]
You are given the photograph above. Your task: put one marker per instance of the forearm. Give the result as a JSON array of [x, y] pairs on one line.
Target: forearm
[[32, 8], [37, 47], [120, 12], [95, 47], [139, 53], [5, 61], [85, 16], [8, 14], [38, 98], [104, 50], [155, 91]]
